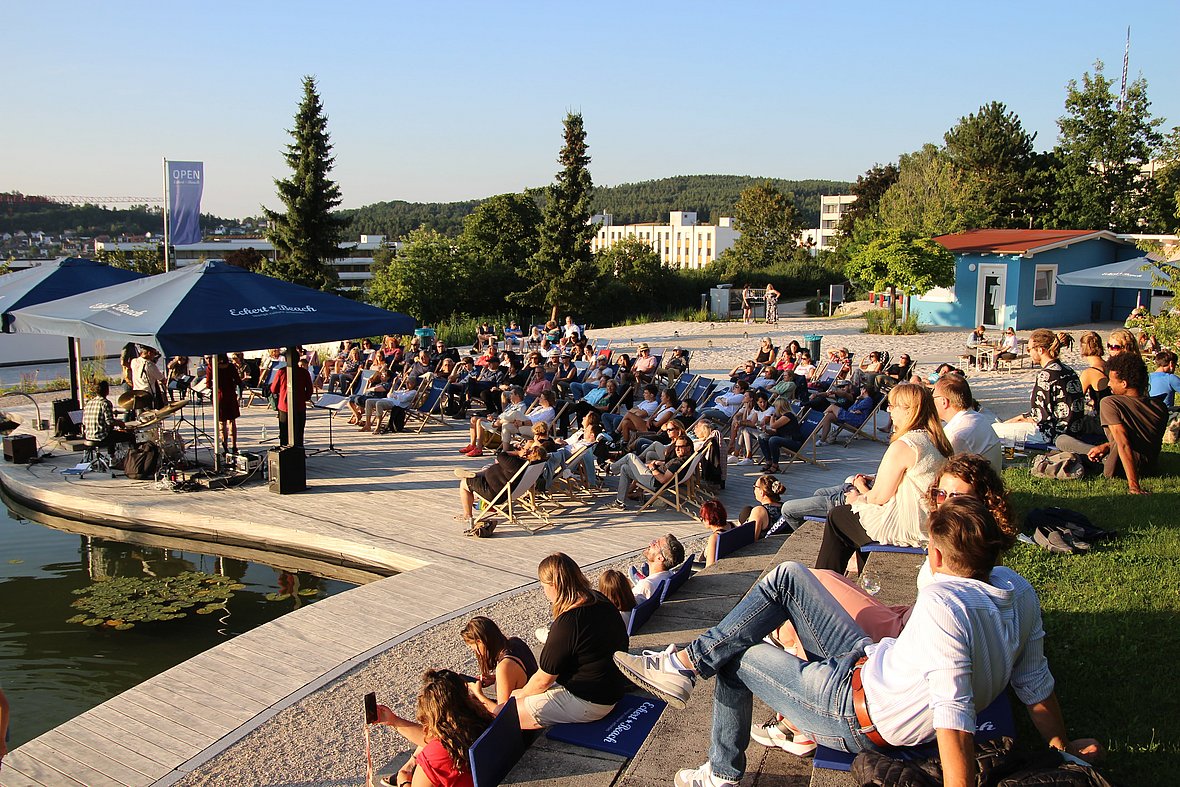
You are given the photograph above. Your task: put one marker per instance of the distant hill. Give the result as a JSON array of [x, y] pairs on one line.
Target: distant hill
[[650, 200]]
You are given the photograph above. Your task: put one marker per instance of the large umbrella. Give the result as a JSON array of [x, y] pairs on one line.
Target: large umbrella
[[1136, 274], [53, 280], [211, 307]]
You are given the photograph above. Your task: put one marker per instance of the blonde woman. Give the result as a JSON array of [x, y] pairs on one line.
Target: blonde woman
[[577, 680], [1122, 341], [892, 507]]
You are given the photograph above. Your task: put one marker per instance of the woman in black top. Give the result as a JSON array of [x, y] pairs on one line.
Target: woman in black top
[[577, 680], [488, 482]]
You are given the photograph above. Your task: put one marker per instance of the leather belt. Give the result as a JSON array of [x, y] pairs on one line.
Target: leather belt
[[867, 728]]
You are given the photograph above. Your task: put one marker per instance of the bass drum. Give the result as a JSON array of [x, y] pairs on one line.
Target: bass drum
[[172, 445]]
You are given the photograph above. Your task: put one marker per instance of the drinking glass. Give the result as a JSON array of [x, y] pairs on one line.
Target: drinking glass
[[1009, 443], [869, 582]]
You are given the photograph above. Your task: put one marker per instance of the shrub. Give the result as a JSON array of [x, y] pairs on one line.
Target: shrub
[[879, 321]]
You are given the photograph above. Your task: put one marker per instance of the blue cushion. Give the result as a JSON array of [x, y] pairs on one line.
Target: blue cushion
[[645, 609], [622, 731], [679, 576], [873, 546], [495, 752], [734, 539]]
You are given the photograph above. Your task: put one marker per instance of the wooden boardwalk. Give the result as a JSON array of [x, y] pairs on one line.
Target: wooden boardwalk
[[387, 503]]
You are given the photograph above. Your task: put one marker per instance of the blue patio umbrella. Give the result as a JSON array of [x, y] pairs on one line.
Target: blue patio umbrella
[[208, 308], [53, 280]]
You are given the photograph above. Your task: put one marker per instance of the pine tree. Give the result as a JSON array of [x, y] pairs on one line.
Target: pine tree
[[562, 270], [306, 235]]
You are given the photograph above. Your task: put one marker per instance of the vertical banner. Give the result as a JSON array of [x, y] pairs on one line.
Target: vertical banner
[[185, 181]]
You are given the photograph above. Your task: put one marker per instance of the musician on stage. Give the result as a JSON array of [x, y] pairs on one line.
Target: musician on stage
[[147, 382], [99, 422]]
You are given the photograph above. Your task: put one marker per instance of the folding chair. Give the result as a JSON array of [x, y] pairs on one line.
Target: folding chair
[[567, 475], [645, 609], [430, 408], [829, 375], [701, 388], [682, 385], [807, 425], [517, 497], [263, 388], [732, 540], [859, 429], [677, 578], [678, 486], [498, 749]]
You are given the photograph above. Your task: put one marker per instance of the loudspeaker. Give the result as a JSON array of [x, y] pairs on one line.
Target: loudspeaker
[[62, 409], [20, 449], [288, 469]]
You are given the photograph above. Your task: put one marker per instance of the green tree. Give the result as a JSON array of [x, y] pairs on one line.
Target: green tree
[[1102, 150], [498, 238], [770, 228], [148, 261], [249, 258], [306, 234], [633, 264], [868, 190], [931, 197], [901, 260], [1165, 196], [562, 270], [381, 259], [992, 147], [420, 280]]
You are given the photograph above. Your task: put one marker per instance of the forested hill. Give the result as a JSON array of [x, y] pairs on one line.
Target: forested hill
[[710, 196]]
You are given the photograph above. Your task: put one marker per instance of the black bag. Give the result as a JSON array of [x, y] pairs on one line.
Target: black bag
[[1074, 522], [142, 461]]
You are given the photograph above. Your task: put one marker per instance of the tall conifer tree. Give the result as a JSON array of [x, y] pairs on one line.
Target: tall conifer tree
[[562, 270], [306, 235]]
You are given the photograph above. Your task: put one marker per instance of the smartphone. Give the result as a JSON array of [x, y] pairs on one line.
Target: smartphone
[[371, 708]]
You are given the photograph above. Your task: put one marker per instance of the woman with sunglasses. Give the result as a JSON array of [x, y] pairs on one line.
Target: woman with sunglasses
[[1122, 341], [1057, 403]]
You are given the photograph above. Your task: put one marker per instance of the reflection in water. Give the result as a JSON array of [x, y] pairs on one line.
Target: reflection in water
[[52, 670]]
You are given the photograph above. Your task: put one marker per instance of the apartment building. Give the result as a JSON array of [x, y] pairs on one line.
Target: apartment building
[[831, 209], [681, 243]]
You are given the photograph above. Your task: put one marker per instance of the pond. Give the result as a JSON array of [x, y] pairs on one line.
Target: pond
[[58, 660]]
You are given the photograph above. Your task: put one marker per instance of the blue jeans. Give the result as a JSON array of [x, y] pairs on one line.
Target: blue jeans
[[820, 502], [814, 695], [772, 444], [611, 421]]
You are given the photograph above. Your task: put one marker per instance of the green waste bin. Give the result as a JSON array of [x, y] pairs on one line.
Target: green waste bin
[[814, 340]]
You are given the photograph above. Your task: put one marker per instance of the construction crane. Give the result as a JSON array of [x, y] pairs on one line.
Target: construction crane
[[73, 199]]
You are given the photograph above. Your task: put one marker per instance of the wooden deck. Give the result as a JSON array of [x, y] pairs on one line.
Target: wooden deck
[[386, 504]]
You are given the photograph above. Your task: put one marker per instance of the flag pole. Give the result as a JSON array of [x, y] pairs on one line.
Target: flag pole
[[165, 215]]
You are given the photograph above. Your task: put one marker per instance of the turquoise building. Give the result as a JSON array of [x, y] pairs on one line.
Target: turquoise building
[[1008, 278]]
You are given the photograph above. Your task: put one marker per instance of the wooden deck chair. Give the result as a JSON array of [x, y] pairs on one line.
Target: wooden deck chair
[[859, 429], [807, 425], [498, 749], [733, 540], [569, 476], [678, 487], [645, 609], [829, 375], [677, 578], [429, 409], [515, 498], [262, 390], [601, 344]]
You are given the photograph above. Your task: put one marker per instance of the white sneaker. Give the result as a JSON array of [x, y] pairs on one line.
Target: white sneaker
[[819, 442], [745, 460], [774, 733], [700, 777]]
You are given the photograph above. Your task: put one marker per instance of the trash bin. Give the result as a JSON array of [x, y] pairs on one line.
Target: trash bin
[[813, 342], [425, 336]]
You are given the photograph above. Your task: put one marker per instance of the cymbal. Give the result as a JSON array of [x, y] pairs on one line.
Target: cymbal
[[127, 399], [175, 407]]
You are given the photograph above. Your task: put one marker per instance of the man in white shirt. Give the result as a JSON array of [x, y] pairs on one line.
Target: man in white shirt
[[969, 430], [396, 403], [726, 404], [975, 629], [662, 555], [571, 328], [147, 381]]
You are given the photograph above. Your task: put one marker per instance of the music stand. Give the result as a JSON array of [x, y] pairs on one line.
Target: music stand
[[331, 403]]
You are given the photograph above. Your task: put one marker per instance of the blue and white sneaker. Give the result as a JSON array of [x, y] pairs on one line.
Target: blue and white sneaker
[[701, 777], [659, 673]]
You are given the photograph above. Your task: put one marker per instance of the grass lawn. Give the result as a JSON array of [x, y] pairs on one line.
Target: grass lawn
[[1112, 617]]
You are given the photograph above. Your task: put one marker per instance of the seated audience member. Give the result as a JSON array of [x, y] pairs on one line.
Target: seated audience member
[[637, 423], [542, 412], [687, 411], [513, 336], [766, 378], [901, 370], [1163, 384], [651, 475], [662, 555], [1134, 424], [617, 590], [782, 429], [855, 414], [659, 445], [671, 368], [969, 430], [726, 404], [571, 330], [978, 336], [480, 427], [99, 422], [587, 436], [577, 681], [1093, 379], [714, 517], [536, 381], [505, 663], [565, 375], [485, 335], [746, 371], [419, 369], [1057, 403], [341, 381], [768, 497], [868, 369], [1122, 341], [395, 403], [376, 387], [804, 366], [973, 632], [767, 353], [488, 378], [891, 509], [749, 424], [488, 482], [643, 371], [639, 415], [449, 720], [596, 377]]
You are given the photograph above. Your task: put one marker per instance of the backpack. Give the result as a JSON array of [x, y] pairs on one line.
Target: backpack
[[1062, 465], [142, 461]]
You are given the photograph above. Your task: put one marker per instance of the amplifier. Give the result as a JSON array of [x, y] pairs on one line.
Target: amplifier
[[287, 468], [20, 449], [244, 462]]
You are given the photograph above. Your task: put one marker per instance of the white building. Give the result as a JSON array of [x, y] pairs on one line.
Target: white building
[[681, 243], [353, 266], [831, 209]]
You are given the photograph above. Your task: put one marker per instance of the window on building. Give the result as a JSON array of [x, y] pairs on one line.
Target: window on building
[[1045, 285]]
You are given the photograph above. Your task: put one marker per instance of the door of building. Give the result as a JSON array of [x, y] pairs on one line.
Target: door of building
[[989, 310]]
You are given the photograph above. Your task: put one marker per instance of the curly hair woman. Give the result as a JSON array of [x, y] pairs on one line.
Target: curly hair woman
[[448, 722]]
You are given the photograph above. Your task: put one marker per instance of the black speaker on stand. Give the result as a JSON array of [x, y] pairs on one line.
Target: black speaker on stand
[[287, 468]]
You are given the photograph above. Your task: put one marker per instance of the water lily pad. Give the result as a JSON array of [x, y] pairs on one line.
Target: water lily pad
[[92, 622], [124, 626], [309, 592], [77, 619], [16, 561]]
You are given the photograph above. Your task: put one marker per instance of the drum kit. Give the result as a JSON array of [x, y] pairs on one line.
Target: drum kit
[[151, 424]]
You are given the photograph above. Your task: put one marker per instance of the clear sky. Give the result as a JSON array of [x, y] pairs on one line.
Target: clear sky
[[435, 100]]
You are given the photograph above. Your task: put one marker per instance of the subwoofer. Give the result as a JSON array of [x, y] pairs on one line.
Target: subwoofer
[[287, 467]]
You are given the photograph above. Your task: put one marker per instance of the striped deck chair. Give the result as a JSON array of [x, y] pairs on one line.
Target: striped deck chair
[[825, 378], [429, 408], [517, 498], [701, 388], [678, 487]]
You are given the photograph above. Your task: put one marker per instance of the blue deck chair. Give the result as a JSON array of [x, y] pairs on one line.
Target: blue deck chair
[[430, 410], [678, 577], [683, 385], [732, 540], [702, 388], [807, 427], [262, 390], [645, 609], [494, 753], [620, 732], [874, 546]]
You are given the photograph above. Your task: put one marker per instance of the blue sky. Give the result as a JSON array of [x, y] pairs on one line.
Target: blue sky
[[455, 100]]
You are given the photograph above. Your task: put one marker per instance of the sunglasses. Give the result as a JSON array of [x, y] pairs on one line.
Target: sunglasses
[[684, 445], [1114, 347], [940, 496]]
